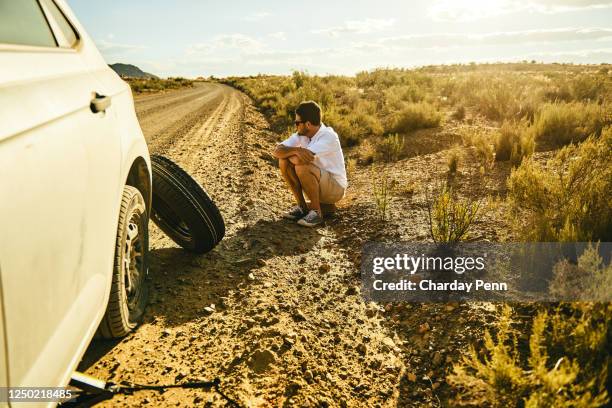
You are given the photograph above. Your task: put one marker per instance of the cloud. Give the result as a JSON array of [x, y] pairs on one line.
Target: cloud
[[257, 16], [239, 41], [555, 6], [108, 48], [369, 25], [226, 42], [448, 40], [472, 10], [588, 56]]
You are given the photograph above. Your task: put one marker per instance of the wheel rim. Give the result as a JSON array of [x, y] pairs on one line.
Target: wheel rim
[[133, 260]]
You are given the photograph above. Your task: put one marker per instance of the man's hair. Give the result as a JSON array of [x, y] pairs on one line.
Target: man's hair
[[309, 111]]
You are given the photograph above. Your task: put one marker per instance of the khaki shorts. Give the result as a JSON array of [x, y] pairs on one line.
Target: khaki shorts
[[330, 191]]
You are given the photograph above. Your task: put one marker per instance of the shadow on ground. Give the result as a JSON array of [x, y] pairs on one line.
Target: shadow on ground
[[182, 284]]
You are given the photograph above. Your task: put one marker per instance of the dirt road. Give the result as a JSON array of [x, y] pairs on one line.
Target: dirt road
[[275, 310]]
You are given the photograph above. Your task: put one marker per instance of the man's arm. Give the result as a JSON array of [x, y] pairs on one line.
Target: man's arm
[[304, 156]]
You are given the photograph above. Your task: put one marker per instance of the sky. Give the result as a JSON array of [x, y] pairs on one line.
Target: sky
[[194, 38]]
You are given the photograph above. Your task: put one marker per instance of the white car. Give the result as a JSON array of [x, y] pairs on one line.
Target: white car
[[75, 197]]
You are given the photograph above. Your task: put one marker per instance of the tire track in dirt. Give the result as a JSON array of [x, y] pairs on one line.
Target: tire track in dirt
[[273, 310], [147, 104], [170, 120]]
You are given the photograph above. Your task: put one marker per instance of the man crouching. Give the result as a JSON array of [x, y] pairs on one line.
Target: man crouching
[[311, 162]]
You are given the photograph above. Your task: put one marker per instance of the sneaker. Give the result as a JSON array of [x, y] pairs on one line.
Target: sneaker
[[311, 219], [295, 213]]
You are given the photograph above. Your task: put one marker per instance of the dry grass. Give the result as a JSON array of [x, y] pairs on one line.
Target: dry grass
[[143, 85], [514, 142], [559, 124]]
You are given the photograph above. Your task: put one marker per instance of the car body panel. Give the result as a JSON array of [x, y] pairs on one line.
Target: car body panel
[[62, 173]]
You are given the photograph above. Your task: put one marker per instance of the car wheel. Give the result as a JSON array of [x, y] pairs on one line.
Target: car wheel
[[129, 292], [182, 209]]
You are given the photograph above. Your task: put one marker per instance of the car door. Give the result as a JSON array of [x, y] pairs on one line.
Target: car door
[[54, 278]]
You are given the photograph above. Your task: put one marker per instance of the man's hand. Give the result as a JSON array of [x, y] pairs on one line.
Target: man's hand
[[299, 154], [304, 155]]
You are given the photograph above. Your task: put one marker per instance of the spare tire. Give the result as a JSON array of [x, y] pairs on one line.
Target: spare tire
[[182, 209]]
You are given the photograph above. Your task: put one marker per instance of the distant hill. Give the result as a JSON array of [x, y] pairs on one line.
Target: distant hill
[[132, 71]]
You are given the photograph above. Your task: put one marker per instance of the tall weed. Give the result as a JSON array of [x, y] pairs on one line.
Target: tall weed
[[450, 218]]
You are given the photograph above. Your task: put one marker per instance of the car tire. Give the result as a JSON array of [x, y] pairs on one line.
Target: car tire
[[129, 291], [183, 209]]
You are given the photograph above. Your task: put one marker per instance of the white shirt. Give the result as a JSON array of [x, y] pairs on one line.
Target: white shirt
[[325, 144]]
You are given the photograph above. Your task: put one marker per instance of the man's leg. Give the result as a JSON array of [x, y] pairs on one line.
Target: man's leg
[[309, 176], [288, 172]]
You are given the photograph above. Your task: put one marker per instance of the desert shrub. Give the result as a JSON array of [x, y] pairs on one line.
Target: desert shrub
[[386, 78], [590, 279], [484, 150], [366, 152], [450, 217], [351, 167], [414, 116], [561, 123], [397, 94], [514, 142], [362, 124], [497, 96], [382, 189], [494, 98], [391, 147], [141, 85], [569, 198], [483, 147], [565, 365], [405, 188], [459, 113], [584, 87], [587, 87], [355, 127], [453, 161]]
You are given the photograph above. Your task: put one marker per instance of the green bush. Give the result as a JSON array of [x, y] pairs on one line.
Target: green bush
[[141, 85], [414, 116], [559, 124], [391, 147], [569, 198], [583, 87], [514, 142], [450, 218], [497, 96], [366, 152], [589, 279]]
